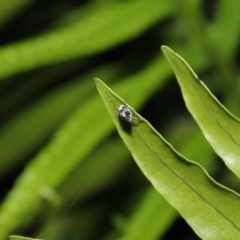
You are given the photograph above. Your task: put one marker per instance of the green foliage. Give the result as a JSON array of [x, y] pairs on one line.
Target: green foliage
[[14, 237], [58, 147], [221, 128], [185, 184]]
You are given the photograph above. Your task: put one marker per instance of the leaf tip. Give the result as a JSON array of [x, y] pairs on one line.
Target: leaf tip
[[166, 49], [163, 47], [95, 79]]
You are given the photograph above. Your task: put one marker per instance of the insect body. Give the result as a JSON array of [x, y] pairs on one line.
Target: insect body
[[125, 113]]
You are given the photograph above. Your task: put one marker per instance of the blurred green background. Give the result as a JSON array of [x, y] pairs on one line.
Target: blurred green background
[[54, 125]]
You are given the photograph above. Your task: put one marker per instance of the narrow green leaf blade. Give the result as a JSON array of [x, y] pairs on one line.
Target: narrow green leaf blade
[[147, 216], [74, 140], [106, 26], [211, 209], [230, 23], [220, 127], [15, 237]]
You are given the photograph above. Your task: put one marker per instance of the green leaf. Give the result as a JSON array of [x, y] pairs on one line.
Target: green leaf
[[210, 209], [73, 141], [15, 237], [220, 127], [148, 217], [36, 122], [194, 145], [150, 203], [227, 18], [107, 171], [106, 26]]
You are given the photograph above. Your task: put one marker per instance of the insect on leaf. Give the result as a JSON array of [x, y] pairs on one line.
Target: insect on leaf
[[210, 209]]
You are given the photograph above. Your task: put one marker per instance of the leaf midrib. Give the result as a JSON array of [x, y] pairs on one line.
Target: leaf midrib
[[175, 173], [186, 182]]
